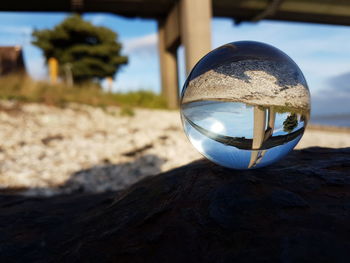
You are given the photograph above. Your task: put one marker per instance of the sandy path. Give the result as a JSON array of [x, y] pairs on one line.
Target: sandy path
[[321, 138]]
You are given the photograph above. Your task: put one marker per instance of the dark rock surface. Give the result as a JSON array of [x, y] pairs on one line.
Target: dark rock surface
[[295, 211]]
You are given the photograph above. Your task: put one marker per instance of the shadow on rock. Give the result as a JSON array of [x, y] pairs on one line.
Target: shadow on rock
[[103, 178], [296, 210]]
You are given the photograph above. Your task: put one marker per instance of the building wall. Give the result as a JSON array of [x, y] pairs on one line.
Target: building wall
[[11, 60]]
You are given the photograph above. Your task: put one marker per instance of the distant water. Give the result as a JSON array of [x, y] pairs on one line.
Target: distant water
[[332, 120]]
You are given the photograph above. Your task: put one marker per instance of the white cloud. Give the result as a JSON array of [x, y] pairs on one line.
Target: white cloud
[[36, 68], [15, 35], [17, 30], [142, 72], [146, 44], [97, 19], [34, 62]]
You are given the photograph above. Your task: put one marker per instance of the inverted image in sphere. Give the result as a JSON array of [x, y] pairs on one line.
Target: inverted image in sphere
[[245, 105]]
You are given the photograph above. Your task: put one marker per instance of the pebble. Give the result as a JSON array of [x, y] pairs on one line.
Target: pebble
[[47, 150]]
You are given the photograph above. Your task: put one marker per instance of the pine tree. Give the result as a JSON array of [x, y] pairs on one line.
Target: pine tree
[[290, 123], [92, 52]]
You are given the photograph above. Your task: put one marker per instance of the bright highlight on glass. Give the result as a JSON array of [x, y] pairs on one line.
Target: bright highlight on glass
[[245, 105]]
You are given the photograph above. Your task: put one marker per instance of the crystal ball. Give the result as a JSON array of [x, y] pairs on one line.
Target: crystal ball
[[245, 105]]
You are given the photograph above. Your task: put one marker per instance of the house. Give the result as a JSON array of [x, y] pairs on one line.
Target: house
[[11, 60]]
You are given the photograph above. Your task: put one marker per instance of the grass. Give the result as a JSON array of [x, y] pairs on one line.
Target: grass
[[127, 112], [287, 108], [25, 89]]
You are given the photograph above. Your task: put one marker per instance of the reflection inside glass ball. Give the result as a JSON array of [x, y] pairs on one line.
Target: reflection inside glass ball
[[245, 105]]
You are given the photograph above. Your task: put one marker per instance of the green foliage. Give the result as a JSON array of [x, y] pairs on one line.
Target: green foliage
[[127, 112], [91, 51], [26, 90], [290, 123], [287, 108], [143, 97]]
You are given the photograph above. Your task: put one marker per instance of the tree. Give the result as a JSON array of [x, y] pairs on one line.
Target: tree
[[90, 51], [290, 123]]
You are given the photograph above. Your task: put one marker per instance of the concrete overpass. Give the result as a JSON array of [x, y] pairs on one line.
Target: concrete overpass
[[187, 22]]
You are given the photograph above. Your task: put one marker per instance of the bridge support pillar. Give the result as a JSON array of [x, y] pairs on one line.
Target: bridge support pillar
[[188, 23], [168, 42], [168, 66], [195, 29]]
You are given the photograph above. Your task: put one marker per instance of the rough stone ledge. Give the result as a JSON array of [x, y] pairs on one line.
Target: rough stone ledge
[[295, 211]]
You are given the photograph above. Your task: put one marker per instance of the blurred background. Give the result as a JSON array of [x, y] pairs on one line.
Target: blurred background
[[88, 97]]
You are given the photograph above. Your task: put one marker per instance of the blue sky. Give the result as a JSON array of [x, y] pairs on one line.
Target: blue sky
[[321, 51]]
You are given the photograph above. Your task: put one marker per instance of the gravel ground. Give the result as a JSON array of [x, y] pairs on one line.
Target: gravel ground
[[47, 150]]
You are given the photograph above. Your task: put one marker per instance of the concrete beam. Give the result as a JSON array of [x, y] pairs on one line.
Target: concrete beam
[[168, 66], [195, 25]]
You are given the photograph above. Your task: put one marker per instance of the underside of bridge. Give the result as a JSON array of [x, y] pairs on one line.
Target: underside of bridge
[[187, 22]]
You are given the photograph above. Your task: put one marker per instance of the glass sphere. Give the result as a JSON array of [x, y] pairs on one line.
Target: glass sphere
[[245, 105]]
